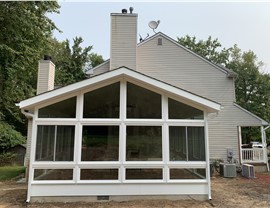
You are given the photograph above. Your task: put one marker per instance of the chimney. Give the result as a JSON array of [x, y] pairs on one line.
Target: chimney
[[46, 70], [123, 39]]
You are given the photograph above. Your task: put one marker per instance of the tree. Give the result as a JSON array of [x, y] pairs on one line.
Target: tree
[[209, 49], [72, 61], [252, 87], [25, 31]]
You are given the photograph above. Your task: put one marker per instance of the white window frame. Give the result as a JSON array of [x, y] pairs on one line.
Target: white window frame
[[122, 122]]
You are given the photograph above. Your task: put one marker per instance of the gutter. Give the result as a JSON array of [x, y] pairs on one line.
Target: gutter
[[27, 114]]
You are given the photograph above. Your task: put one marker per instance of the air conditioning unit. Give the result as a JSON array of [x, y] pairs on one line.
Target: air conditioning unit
[[227, 170], [248, 171]]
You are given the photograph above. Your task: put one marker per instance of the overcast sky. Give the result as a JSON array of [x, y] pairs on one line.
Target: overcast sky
[[245, 24]]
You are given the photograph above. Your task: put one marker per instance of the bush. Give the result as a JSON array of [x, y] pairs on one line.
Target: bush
[[9, 137]]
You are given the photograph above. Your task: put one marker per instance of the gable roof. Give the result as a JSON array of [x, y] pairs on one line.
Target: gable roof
[[263, 122], [205, 103], [228, 72]]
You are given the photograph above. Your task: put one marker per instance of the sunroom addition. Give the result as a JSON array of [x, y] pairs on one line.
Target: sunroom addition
[[119, 137]]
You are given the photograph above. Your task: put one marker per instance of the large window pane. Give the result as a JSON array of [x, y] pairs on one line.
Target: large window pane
[[196, 144], [142, 103], [53, 174], [143, 143], [100, 143], [64, 149], [55, 143], [186, 143], [99, 174], [178, 110], [143, 174], [63, 109], [102, 102], [178, 150], [187, 173], [45, 143]]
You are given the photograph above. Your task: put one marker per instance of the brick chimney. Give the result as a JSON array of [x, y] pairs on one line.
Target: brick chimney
[[46, 70], [123, 39]]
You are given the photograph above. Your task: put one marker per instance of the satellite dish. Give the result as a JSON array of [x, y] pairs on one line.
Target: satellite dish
[[153, 25]]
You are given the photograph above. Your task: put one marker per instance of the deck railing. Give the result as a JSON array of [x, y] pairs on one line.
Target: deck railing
[[253, 155]]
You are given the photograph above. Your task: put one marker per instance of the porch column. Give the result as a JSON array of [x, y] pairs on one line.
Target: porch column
[[263, 135], [240, 144]]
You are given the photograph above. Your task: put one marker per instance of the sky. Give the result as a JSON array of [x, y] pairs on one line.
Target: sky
[[246, 24]]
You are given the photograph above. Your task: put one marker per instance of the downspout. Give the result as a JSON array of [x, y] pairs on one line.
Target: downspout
[[208, 178], [265, 148], [28, 115]]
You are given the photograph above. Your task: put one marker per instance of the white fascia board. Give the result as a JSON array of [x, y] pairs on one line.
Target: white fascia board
[[264, 123], [208, 104]]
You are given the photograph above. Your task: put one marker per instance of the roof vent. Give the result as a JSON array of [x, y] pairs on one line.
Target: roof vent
[[131, 9], [124, 11]]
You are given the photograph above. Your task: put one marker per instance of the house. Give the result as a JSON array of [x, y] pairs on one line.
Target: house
[[146, 122]]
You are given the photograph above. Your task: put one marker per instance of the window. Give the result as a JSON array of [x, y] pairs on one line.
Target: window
[[143, 174], [99, 174], [53, 174], [142, 103], [178, 110], [185, 173], [55, 143], [63, 109], [102, 102], [186, 143], [100, 143], [143, 143]]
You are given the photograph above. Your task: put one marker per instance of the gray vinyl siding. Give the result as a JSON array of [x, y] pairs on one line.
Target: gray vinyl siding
[[102, 68], [172, 64], [123, 41]]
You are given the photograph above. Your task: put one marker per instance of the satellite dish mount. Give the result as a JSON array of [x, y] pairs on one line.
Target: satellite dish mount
[[153, 25]]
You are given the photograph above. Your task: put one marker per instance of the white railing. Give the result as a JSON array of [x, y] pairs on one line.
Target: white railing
[[253, 155]]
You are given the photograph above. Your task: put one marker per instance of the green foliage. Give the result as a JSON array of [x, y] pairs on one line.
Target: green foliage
[[72, 61], [9, 137], [96, 60], [9, 172], [209, 49], [25, 30], [252, 88]]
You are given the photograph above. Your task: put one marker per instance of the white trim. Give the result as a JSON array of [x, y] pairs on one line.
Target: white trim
[[189, 97], [187, 187], [264, 123]]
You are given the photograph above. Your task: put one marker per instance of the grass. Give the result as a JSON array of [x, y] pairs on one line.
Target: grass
[[10, 172]]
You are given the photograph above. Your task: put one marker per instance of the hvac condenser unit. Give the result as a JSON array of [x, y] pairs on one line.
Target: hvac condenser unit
[[248, 171], [227, 170]]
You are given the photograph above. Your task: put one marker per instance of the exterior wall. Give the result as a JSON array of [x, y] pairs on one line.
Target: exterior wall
[[123, 40], [102, 68], [173, 64], [45, 81]]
